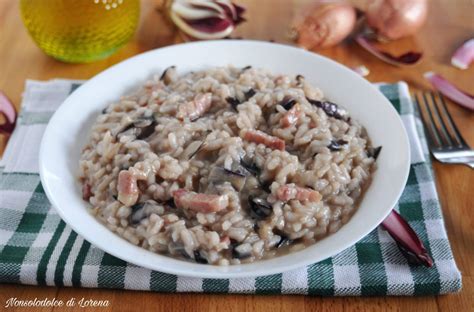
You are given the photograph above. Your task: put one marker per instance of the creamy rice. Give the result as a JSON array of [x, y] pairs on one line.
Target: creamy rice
[[225, 166]]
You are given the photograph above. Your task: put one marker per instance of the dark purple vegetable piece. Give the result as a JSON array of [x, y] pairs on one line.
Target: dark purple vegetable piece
[[251, 92], [259, 208], [336, 145], [198, 258], [197, 150], [236, 173], [246, 67], [406, 58], [125, 128], [409, 58], [209, 24], [163, 75], [285, 240], [239, 255], [238, 168], [146, 131], [141, 211], [143, 127], [265, 185], [288, 103], [331, 109], [406, 239], [104, 111], [256, 227], [374, 152], [219, 175], [138, 214], [234, 102], [250, 167], [170, 203], [7, 110], [235, 253], [179, 249], [299, 78], [233, 38]]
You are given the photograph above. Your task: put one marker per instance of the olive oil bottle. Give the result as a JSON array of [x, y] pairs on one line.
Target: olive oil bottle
[[80, 31]]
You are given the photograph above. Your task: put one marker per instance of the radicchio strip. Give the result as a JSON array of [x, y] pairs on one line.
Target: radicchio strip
[[409, 58], [206, 19], [9, 114], [464, 55], [450, 91], [406, 239]]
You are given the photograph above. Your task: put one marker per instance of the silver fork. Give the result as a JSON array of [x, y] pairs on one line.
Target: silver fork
[[444, 139]]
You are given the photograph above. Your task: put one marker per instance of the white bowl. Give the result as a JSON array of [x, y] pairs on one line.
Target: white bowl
[[69, 129]]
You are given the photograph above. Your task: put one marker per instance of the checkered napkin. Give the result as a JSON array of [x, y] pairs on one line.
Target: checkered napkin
[[37, 247]]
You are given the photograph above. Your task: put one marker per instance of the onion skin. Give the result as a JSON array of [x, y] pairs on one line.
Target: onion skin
[[394, 19], [325, 25]]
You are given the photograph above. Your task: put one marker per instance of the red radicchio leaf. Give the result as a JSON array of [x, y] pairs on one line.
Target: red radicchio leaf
[[406, 239], [206, 19], [409, 58], [450, 90], [8, 111], [229, 9], [240, 10], [207, 8], [209, 25]]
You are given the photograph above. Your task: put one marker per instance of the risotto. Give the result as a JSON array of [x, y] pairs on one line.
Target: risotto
[[225, 166]]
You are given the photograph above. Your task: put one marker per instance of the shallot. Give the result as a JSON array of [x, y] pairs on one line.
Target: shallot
[[464, 55], [325, 24], [450, 91], [395, 19]]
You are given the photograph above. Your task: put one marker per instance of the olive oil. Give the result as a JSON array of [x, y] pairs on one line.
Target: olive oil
[[80, 31]]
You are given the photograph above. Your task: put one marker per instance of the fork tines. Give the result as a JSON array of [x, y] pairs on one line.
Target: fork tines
[[441, 131]]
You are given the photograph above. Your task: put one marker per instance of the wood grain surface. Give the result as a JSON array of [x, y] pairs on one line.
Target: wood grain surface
[[450, 22]]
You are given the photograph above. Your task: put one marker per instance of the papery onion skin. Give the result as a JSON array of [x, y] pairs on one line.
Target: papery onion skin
[[326, 24], [395, 19]]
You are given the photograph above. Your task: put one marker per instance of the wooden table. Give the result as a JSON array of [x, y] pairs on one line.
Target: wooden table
[[450, 23]]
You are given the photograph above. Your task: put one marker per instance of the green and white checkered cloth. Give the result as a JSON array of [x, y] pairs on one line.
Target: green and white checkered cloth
[[38, 248]]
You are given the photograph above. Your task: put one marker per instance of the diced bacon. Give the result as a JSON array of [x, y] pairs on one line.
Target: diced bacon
[[199, 202], [127, 188], [291, 116], [260, 137], [225, 240], [195, 108], [291, 191], [86, 191]]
